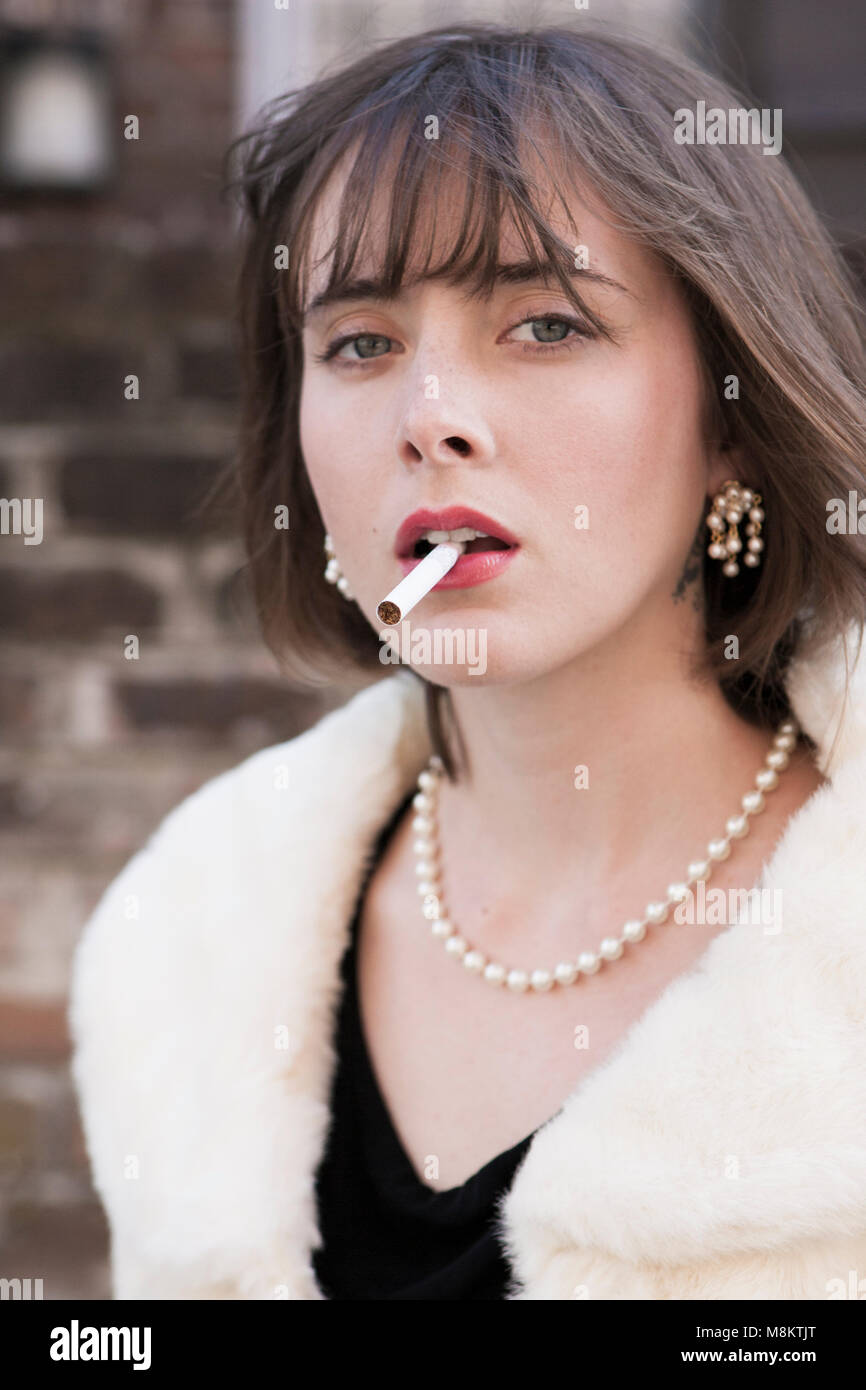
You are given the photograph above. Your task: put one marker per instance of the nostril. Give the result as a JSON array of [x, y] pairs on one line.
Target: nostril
[[459, 445]]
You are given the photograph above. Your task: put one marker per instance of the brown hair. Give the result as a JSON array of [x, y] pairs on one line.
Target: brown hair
[[772, 303]]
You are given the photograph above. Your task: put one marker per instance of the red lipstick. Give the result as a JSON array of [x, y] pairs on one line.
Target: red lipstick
[[483, 557]]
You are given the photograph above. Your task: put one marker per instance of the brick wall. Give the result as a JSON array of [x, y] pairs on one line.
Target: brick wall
[[95, 747]]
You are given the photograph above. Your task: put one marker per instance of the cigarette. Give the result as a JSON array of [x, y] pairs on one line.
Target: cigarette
[[419, 581]]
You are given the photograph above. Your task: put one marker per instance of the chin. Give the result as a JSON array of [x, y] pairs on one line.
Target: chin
[[454, 652], [475, 649], [481, 663]]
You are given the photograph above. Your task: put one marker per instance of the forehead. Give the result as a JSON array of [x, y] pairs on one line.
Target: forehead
[[454, 223], [452, 217]]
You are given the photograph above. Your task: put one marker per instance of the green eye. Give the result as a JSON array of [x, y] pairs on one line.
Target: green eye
[[370, 344], [550, 331], [553, 330]]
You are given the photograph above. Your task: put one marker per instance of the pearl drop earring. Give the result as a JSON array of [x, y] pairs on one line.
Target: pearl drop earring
[[333, 573], [729, 504]]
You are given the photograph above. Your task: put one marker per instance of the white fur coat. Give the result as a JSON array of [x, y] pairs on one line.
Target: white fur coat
[[719, 1152]]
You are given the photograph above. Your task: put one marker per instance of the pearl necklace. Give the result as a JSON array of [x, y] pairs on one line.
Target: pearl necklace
[[427, 852]]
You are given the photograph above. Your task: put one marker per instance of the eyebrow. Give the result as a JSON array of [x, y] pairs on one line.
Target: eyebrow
[[512, 273]]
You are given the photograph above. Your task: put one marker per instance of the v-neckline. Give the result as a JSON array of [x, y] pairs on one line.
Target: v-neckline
[[383, 1123], [412, 1181]]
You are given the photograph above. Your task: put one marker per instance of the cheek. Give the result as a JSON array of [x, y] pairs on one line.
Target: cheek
[[311, 433], [348, 466], [625, 443], [332, 443]]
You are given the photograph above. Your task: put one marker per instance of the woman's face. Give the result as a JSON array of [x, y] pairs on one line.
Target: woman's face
[[589, 452]]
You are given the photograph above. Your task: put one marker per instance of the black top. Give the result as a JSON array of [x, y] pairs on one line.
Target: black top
[[385, 1233]]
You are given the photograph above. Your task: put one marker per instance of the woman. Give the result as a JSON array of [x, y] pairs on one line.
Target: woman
[[487, 296]]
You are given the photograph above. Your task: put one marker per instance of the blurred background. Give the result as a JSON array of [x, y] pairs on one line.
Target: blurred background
[[118, 400]]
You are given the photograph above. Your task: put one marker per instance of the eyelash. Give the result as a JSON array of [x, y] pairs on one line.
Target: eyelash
[[583, 331]]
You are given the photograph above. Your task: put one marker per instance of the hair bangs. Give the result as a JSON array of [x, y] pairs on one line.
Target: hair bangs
[[418, 200], [427, 154]]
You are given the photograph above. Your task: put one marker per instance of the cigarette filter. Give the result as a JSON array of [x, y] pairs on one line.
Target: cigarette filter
[[419, 581]]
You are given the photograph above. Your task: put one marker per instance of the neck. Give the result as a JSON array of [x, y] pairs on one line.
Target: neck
[[619, 759]]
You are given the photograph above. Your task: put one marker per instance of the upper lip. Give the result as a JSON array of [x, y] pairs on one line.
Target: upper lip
[[418, 523]]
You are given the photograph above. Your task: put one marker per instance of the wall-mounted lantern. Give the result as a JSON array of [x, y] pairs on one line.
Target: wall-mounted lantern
[[57, 130]]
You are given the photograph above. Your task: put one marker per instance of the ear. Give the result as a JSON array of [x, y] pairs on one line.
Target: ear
[[723, 462]]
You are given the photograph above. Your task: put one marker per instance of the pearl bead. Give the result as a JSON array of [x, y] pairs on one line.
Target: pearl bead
[[734, 545], [731, 568], [541, 980], [714, 521], [747, 496], [717, 551], [733, 516], [427, 853], [756, 513], [755, 544], [751, 560]]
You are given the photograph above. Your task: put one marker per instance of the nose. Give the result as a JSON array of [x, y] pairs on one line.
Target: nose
[[439, 431]]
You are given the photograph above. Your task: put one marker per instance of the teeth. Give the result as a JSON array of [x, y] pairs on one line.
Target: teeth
[[463, 533]]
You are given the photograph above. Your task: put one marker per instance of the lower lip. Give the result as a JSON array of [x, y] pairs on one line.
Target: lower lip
[[475, 568]]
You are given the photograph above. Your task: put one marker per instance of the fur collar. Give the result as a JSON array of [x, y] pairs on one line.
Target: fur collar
[[728, 1124]]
